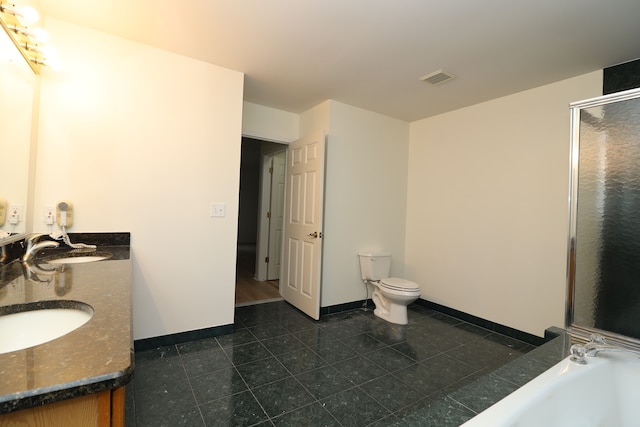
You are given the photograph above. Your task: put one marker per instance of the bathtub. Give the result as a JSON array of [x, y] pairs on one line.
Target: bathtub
[[604, 392]]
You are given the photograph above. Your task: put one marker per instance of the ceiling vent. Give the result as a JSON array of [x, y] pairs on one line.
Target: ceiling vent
[[437, 77]]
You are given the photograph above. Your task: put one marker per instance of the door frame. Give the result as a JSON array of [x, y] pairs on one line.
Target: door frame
[[262, 239], [276, 213]]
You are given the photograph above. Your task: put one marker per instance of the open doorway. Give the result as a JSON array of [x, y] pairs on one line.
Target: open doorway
[[261, 202]]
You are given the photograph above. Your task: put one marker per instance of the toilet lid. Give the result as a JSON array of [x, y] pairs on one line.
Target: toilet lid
[[399, 284]]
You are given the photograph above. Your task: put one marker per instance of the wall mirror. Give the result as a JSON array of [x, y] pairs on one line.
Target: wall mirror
[[604, 241], [17, 89]]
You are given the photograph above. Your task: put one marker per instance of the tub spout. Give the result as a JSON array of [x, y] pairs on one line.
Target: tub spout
[[597, 344]]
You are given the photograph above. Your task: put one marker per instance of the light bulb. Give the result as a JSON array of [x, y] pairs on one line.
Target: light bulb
[[49, 52], [25, 14], [29, 14], [50, 57], [55, 64], [41, 34]]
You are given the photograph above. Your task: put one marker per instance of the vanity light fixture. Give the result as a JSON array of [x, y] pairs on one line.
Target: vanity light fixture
[[29, 41]]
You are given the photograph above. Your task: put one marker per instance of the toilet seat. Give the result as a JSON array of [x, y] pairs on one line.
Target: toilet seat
[[391, 296], [399, 285]]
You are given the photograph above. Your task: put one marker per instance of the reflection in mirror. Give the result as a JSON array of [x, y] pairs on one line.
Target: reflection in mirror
[[17, 88], [605, 261]]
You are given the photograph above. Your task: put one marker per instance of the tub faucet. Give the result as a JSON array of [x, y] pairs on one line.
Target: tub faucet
[[33, 246], [597, 344]]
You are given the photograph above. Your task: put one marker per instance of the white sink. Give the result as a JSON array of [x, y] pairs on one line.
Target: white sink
[[35, 326], [78, 258]]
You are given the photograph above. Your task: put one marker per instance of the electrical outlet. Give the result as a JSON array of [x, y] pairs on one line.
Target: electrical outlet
[[49, 215], [15, 213]]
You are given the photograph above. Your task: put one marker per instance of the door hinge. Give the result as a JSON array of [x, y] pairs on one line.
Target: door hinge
[[271, 170], [268, 214], [266, 259]]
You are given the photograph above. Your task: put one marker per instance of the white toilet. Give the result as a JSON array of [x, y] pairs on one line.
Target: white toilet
[[391, 295]]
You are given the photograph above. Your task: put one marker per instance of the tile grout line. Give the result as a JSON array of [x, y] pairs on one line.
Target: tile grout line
[[244, 381], [316, 400], [186, 374]]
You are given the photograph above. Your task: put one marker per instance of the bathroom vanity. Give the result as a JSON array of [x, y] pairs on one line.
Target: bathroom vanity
[[78, 378]]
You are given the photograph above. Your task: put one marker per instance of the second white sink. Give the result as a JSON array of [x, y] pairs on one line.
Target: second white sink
[[77, 258]]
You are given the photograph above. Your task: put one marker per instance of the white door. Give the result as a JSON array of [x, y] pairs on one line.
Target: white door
[[276, 215], [302, 252]]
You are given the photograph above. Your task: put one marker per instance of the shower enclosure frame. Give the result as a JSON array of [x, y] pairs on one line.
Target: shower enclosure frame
[[581, 332]]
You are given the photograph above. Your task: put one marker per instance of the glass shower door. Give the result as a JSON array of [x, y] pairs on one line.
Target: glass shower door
[[604, 259]]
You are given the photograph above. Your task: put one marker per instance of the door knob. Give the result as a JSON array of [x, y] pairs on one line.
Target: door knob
[[314, 234]]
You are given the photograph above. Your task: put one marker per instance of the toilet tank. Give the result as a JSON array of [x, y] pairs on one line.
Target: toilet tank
[[375, 266]]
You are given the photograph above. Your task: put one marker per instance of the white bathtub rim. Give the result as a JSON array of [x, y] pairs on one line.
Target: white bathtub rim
[[506, 411]]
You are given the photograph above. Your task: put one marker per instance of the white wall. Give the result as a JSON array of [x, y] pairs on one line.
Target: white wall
[[269, 124], [487, 211], [315, 119], [142, 140]]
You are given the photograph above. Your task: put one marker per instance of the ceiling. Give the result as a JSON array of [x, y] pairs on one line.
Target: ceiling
[[371, 53]]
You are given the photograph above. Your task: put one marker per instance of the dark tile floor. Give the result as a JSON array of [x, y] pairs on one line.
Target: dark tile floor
[[281, 368]]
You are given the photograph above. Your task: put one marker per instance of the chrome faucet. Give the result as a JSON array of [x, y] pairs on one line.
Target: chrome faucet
[[597, 344], [33, 246]]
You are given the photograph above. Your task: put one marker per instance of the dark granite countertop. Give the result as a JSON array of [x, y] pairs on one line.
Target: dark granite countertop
[[95, 357], [463, 404]]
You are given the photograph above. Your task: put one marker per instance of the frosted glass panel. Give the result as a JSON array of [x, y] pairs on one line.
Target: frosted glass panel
[[607, 240]]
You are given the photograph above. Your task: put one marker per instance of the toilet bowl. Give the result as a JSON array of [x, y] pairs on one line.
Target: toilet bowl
[[391, 295]]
